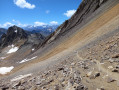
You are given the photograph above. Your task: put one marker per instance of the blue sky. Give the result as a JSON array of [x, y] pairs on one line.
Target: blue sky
[[36, 12]]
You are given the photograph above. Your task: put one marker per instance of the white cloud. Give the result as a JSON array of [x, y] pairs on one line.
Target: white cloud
[[24, 4], [47, 11], [53, 23], [6, 25], [69, 13], [39, 24], [19, 24], [13, 20], [22, 25]]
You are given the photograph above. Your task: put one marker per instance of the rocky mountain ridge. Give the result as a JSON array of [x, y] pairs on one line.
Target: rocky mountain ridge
[[44, 30], [16, 35], [86, 9], [13, 35]]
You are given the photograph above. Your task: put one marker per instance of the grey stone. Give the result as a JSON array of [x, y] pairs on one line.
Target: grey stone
[[16, 84], [92, 77], [33, 88], [21, 88], [56, 87], [117, 67], [38, 82], [60, 69], [5, 88], [115, 70], [109, 80], [97, 74], [79, 87]]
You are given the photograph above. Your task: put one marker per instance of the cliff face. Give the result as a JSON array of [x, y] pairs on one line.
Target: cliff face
[[13, 35], [85, 10]]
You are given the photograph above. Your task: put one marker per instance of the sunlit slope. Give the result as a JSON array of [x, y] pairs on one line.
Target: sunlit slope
[[106, 22]]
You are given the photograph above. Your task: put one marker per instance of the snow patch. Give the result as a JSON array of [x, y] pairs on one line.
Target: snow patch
[[33, 49], [15, 31], [26, 60], [20, 77], [11, 46], [5, 70], [13, 49]]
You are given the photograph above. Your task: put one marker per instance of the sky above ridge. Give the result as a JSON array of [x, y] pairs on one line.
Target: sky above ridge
[[36, 12]]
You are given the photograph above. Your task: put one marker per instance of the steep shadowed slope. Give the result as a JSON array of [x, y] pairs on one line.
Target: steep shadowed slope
[[85, 10]]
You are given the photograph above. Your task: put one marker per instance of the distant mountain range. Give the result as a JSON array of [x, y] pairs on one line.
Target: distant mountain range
[[44, 30], [2, 31]]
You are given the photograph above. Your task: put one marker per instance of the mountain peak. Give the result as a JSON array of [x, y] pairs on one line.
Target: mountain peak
[[13, 34]]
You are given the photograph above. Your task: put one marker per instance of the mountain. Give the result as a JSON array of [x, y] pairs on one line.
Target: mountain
[[16, 34], [2, 30], [35, 38], [83, 14], [12, 35], [82, 54], [44, 30]]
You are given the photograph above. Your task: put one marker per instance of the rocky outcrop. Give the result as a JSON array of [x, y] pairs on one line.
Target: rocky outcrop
[[35, 38], [63, 76], [13, 35], [86, 8]]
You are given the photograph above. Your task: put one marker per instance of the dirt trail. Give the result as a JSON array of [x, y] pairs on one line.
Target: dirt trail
[[102, 80], [101, 67]]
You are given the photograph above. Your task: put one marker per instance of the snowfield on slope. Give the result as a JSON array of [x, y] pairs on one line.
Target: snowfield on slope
[[12, 50], [26, 60], [5, 70], [33, 49]]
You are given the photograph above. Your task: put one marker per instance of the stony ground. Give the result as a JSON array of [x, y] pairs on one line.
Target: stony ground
[[74, 73], [62, 76]]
